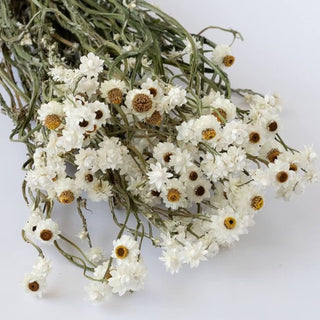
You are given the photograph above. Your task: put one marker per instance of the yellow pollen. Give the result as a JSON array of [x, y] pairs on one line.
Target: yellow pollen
[[34, 286], [141, 103], [52, 121], [46, 235], [173, 195], [228, 60], [282, 176], [208, 134], [66, 197], [257, 202], [220, 114], [273, 155], [121, 252], [230, 223], [115, 96], [254, 137], [155, 119]]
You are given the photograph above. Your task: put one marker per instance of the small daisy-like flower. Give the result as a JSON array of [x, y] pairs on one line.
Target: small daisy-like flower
[[194, 252], [47, 231], [174, 195], [99, 190], [154, 88], [127, 277], [222, 57], [228, 226], [51, 114], [207, 129], [176, 97], [34, 285], [192, 175], [91, 65], [140, 102], [158, 175], [125, 249], [199, 190], [163, 152], [98, 291], [95, 255], [172, 259], [113, 90], [41, 267]]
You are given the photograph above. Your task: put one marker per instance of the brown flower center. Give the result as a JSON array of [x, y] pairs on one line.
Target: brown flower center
[[34, 286], [293, 167], [84, 123], [88, 177], [193, 176], [273, 126], [257, 202], [228, 60], [115, 96], [200, 190], [254, 137], [155, 119], [173, 195], [273, 155], [46, 235], [230, 223], [99, 114], [121, 252], [208, 134], [153, 91], [52, 121], [282, 176], [66, 197], [155, 193], [141, 103], [167, 157], [220, 114]]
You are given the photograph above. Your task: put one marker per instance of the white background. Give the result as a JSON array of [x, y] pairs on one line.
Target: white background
[[273, 273]]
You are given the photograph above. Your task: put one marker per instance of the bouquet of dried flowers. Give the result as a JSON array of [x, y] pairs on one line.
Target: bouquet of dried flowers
[[117, 102]]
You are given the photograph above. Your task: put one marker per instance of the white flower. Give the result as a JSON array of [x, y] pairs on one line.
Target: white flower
[[172, 259], [163, 152], [228, 226], [86, 159], [99, 190], [125, 249], [51, 108], [158, 175], [207, 129], [174, 195], [113, 90], [198, 191], [127, 277], [219, 53], [41, 267], [88, 86], [193, 253], [181, 160], [177, 97], [140, 102], [91, 65], [98, 291], [154, 88], [95, 255], [188, 46], [47, 231], [34, 285], [31, 225]]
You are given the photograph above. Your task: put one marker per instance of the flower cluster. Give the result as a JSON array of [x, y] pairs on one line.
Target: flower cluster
[[124, 110], [199, 178]]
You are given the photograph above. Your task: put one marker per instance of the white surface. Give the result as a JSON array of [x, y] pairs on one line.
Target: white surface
[[273, 273]]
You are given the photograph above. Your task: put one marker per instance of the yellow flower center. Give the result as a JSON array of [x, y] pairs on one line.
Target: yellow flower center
[[208, 134], [257, 202], [141, 103], [230, 223], [173, 195], [52, 121], [115, 96], [66, 197], [121, 252], [228, 60]]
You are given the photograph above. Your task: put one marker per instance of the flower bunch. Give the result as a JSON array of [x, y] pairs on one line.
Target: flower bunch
[[154, 133]]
